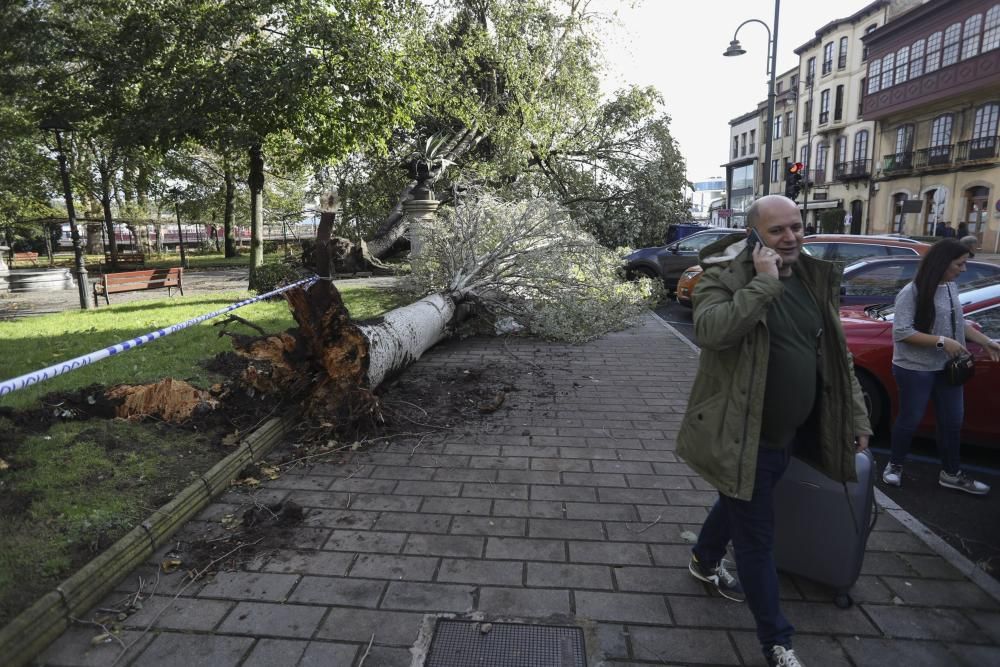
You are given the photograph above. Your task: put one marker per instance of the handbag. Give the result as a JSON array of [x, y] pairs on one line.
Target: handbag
[[958, 370]]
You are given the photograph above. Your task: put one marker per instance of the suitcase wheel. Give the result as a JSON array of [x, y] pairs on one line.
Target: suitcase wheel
[[843, 600]]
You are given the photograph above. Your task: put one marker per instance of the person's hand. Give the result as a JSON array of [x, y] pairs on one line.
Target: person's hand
[[766, 261], [953, 348], [993, 349], [862, 442]]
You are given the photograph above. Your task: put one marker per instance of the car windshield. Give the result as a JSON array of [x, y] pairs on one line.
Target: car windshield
[[885, 311]]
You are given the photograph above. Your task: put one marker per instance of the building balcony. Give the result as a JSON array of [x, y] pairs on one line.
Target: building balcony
[[852, 169], [896, 162], [935, 156], [984, 148], [816, 176]]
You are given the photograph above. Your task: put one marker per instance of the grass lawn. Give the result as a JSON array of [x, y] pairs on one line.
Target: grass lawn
[[71, 487]]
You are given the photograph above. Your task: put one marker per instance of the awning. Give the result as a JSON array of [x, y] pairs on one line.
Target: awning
[[823, 203]]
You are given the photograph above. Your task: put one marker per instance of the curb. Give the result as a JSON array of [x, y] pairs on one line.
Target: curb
[[955, 558], [35, 628]]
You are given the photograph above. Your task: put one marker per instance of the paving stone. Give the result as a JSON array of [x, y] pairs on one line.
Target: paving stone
[[566, 529], [659, 481], [933, 593], [638, 496], [670, 555], [612, 641], [365, 541], [924, 623], [593, 479], [378, 503], [541, 451], [682, 645], [826, 617], [622, 607], [325, 654], [338, 590], [934, 567], [523, 602], [897, 543], [73, 648], [477, 449], [393, 628], [513, 548], [988, 623], [407, 522], [872, 652], [402, 472], [411, 596], [619, 553], [647, 455], [420, 488], [320, 499], [714, 612], [382, 656], [601, 512], [551, 509], [170, 613], [569, 493], [259, 619], [512, 491], [480, 506], [364, 485], [465, 475], [329, 518], [445, 545], [561, 465], [657, 580], [814, 650], [185, 650], [968, 654], [546, 477], [250, 586], [692, 497], [866, 589], [499, 462], [274, 652], [584, 450], [500, 526], [628, 468], [672, 468], [566, 575], [410, 568], [498, 573], [883, 562]]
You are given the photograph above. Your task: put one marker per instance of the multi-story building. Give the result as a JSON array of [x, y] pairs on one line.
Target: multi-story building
[[741, 181], [933, 85], [783, 131], [834, 140]]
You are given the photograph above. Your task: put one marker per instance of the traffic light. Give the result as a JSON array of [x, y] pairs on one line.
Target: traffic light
[[793, 180]]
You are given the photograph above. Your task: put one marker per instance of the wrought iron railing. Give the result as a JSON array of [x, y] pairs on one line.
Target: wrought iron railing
[[845, 171], [984, 148], [898, 161], [935, 156]]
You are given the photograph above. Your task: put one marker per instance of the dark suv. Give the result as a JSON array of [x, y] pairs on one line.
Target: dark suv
[[669, 261]]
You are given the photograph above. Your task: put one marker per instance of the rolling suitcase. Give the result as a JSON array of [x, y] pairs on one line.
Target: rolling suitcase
[[821, 526]]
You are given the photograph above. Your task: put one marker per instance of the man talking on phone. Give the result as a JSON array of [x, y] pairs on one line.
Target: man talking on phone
[[774, 372]]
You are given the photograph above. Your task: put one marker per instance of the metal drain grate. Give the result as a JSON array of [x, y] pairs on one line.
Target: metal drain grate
[[474, 644]]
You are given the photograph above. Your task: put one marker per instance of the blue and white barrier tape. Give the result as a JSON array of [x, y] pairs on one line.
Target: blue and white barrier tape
[[28, 379]]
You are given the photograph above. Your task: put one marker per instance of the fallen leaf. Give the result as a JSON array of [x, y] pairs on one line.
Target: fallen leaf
[[688, 536], [231, 440], [270, 472], [4, 465], [170, 564], [230, 522]]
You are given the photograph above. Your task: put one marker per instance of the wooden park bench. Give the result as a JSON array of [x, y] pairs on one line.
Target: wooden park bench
[[126, 257], [134, 281], [26, 257]]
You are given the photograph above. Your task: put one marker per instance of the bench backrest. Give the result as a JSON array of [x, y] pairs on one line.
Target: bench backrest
[[125, 281], [25, 255]]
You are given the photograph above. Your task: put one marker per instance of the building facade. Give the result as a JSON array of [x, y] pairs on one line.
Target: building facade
[[783, 132], [741, 169], [934, 88]]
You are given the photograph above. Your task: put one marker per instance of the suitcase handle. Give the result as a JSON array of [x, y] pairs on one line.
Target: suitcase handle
[[850, 507]]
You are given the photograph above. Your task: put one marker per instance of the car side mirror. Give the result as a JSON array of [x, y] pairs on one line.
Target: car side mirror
[[673, 248]]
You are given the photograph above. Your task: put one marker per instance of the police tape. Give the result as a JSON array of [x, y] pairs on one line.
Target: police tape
[[29, 379]]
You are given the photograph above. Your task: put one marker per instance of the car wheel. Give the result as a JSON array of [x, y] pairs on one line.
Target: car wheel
[[645, 272], [875, 399]]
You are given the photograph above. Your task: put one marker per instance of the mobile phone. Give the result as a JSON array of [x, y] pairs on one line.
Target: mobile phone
[[753, 238]]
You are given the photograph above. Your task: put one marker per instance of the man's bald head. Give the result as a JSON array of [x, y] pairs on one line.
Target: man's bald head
[[766, 207]]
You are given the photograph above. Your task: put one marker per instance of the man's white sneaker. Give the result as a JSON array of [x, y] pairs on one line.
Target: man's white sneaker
[[962, 483], [893, 474], [783, 657]]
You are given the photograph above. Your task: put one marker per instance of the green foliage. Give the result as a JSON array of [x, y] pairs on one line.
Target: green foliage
[[273, 275], [831, 220]]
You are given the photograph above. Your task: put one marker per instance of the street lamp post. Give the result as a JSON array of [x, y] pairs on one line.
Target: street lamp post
[[58, 126], [772, 45], [180, 230]]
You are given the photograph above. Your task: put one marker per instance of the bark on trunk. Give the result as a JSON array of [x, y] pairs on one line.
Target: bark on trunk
[[229, 212], [256, 183], [109, 224]]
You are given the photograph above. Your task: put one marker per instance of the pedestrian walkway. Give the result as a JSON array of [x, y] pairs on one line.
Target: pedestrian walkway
[[566, 506]]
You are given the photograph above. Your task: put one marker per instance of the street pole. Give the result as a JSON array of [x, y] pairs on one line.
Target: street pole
[[809, 155], [773, 43], [180, 231], [80, 266]]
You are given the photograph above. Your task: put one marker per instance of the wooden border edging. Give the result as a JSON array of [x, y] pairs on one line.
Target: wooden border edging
[[40, 624]]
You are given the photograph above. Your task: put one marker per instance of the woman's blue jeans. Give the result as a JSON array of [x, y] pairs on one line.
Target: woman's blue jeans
[[750, 526], [916, 388]]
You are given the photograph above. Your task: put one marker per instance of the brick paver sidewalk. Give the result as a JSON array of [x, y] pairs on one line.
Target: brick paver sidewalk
[[568, 505]]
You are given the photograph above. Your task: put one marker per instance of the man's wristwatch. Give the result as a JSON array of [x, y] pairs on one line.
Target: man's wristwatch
[[940, 343]]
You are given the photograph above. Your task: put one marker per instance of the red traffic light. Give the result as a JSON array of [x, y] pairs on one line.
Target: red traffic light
[[796, 168]]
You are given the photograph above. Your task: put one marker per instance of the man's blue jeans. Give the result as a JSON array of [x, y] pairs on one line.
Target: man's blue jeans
[[916, 388], [750, 526]]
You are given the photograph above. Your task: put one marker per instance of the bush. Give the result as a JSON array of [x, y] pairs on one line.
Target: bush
[[831, 221], [273, 275]]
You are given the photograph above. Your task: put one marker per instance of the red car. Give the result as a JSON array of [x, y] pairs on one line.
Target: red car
[[869, 337]]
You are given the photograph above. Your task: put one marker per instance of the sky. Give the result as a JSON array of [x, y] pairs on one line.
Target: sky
[[677, 45]]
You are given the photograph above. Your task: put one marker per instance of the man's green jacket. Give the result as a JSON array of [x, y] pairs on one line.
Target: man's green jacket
[[720, 432]]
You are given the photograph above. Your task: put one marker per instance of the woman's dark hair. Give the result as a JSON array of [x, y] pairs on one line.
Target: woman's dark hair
[[929, 274]]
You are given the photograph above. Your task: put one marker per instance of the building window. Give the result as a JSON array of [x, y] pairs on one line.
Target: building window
[[917, 59], [789, 120], [804, 154], [838, 104], [807, 119], [861, 145], [841, 150], [986, 121], [933, 61], [824, 106], [821, 152], [777, 126], [794, 83], [736, 147], [743, 144], [991, 35], [888, 63], [864, 50], [952, 35], [874, 76], [898, 218], [970, 36], [777, 88], [828, 58], [842, 56], [902, 60], [861, 97], [810, 71], [774, 171], [753, 140], [941, 131], [904, 139]]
